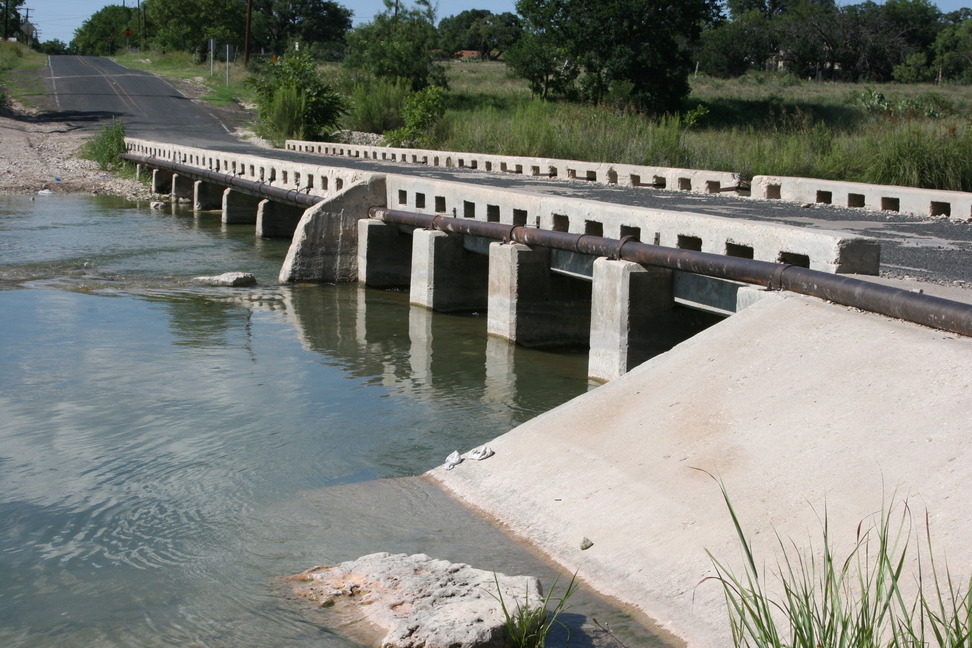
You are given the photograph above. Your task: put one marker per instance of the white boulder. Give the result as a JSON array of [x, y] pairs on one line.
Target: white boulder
[[419, 602]]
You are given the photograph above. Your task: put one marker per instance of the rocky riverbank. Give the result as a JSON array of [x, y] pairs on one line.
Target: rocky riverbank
[[39, 152]]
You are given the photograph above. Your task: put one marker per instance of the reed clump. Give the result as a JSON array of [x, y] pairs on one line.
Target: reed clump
[[867, 598]]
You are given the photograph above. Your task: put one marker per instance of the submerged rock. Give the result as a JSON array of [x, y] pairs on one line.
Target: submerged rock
[[419, 602], [228, 279]]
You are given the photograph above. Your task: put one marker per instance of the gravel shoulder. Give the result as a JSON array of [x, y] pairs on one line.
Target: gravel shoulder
[[39, 146], [40, 153]]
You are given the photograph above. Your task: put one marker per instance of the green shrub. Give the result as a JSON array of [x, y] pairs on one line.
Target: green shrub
[[294, 83], [376, 105], [421, 114], [106, 147], [283, 117], [938, 158]]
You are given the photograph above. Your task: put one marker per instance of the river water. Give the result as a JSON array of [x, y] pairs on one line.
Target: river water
[[169, 451]]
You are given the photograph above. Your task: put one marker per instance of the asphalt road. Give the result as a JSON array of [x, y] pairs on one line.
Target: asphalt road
[[89, 90]]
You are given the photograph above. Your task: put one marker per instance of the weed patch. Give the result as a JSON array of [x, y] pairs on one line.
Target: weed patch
[[106, 147], [861, 600]]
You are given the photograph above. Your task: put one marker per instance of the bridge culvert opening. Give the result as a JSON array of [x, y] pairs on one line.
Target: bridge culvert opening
[[686, 242], [795, 259], [941, 208], [741, 251]]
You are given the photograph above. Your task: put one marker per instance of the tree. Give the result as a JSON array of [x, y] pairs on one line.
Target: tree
[[295, 100], [278, 22], [545, 66], [55, 47], [734, 47], [481, 30], [953, 49], [188, 25], [104, 32], [635, 49], [11, 17], [398, 44]]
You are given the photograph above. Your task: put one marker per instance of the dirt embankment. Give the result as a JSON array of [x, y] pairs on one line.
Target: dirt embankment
[[39, 153], [39, 147]]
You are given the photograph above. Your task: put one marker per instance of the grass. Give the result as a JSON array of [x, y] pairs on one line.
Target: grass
[[17, 63], [862, 600], [760, 124], [106, 147], [527, 625]]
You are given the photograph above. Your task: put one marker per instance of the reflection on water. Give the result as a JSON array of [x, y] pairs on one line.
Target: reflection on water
[[168, 451]]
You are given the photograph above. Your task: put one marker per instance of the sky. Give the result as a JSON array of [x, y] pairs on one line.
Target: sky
[[57, 19]]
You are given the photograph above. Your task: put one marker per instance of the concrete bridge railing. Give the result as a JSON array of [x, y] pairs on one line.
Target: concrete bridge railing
[[904, 200], [309, 178], [625, 175]]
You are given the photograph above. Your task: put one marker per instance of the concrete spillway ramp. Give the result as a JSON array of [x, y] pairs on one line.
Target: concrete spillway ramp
[[796, 405]]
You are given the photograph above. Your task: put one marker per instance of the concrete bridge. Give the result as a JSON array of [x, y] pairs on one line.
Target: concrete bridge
[[797, 405], [480, 248]]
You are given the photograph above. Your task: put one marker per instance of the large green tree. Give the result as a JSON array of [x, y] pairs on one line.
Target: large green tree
[[481, 30], [398, 43], [189, 24], [276, 23], [105, 32], [636, 51]]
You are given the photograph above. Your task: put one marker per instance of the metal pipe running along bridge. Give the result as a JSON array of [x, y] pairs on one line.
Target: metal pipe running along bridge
[[517, 257]]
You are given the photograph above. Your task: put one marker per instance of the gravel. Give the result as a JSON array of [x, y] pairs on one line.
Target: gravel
[[38, 154]]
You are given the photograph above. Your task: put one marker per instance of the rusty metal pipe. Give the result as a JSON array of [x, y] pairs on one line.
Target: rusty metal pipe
[[935, 312], [291, 197]]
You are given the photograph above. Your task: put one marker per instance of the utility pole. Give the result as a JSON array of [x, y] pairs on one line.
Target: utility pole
[[6, 12], [26, 21], [246, 38]]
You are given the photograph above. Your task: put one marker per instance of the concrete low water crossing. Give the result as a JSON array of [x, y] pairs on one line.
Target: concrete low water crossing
[[169, 451]]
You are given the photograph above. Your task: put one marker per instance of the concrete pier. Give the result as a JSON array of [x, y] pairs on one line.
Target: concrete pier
[[445, 276], [239, 208], [274, 220], [206, 196], [532, 306], [632, 316]]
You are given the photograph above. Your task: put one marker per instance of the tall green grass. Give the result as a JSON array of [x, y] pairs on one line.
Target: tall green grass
[[106, 147], [762, 124], [866, 599], [283, 117]]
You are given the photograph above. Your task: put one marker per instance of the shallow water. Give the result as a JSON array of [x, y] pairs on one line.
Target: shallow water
[[169, 451]]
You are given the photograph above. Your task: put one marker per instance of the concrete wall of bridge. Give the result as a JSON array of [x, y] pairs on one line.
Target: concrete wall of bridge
[[625, 313]]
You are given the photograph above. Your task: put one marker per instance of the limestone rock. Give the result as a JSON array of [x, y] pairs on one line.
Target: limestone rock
[[228, 279], [419, 602]]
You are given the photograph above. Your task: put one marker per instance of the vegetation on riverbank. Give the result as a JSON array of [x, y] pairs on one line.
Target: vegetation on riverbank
[[106, 147], [758, 124], [866, 600]]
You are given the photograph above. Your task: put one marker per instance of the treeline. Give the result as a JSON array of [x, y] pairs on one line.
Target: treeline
[[900, 40], [634, 54]]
